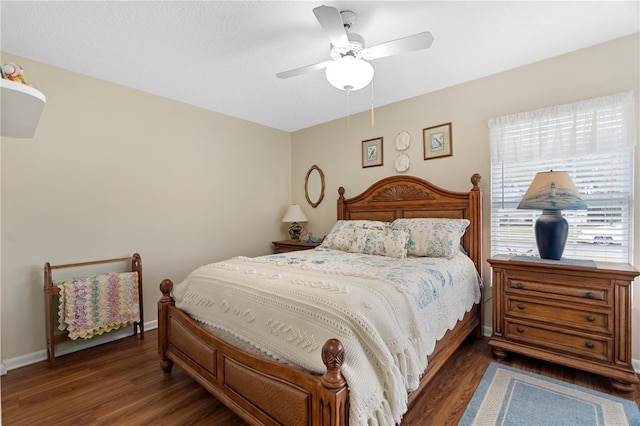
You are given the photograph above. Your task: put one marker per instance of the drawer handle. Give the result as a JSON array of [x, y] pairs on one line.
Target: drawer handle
[[589, 345], [590, 295], [520, 330], [591, 318], [520, 305], [519, 285]]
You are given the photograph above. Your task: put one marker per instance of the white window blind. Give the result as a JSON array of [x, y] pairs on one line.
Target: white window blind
[[593, 141]]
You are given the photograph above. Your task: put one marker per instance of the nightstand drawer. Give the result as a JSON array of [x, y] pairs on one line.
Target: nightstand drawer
[[563, 315], [588, 347], [560, 289], [292, 245]]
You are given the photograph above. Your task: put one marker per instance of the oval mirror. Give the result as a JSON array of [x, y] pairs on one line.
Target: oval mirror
[[314, 186]]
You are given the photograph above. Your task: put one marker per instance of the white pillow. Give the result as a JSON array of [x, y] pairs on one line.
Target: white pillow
[[342, 233], [432, 237], [388, 242]]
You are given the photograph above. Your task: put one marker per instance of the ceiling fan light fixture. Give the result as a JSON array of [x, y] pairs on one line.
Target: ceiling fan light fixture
[[349, 73]]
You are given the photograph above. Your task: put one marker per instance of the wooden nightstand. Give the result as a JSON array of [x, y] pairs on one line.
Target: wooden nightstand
[[292, 245], [575, 315]]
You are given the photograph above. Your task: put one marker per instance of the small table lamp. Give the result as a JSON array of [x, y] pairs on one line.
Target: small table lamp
[[552, 192], [294, 215]]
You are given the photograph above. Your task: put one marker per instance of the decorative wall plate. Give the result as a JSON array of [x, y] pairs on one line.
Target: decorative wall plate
[[403, 140], [402, 163]]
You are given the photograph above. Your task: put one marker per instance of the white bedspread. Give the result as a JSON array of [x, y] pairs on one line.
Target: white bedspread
[[388, 314]]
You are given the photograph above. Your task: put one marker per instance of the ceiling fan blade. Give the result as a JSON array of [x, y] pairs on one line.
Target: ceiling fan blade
[[303, 70], [331, 21], [406, 44]]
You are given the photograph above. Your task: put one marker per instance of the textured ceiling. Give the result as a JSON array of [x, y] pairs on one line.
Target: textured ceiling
[[223, 56]]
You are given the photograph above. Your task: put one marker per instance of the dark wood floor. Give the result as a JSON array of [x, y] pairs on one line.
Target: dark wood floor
[[121, 383]]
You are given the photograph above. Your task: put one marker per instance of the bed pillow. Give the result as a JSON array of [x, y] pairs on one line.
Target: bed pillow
[[388, 242], [342, 233], [432, 237]]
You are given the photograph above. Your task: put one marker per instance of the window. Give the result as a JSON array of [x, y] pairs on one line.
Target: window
[[593, 141]]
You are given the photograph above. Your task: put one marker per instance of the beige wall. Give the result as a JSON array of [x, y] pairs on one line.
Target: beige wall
[[112, 171], [336, 146]]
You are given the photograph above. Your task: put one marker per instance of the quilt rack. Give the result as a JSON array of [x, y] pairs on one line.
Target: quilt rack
[[52, 293]]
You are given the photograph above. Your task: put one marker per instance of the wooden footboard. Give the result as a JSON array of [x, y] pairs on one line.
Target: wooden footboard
[[261, 391]]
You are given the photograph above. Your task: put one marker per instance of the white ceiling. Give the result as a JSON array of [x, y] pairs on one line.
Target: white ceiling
[[223, 56]]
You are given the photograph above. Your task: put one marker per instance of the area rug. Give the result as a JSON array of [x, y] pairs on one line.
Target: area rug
[[508, 396]]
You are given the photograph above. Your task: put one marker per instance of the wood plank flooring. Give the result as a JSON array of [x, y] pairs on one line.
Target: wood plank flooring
[[120, 383]]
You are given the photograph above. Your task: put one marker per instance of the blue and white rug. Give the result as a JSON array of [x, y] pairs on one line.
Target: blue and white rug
[[508, 396]]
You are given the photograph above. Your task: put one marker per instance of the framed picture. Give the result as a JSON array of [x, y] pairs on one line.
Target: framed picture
[[438, 141], [372, 152]]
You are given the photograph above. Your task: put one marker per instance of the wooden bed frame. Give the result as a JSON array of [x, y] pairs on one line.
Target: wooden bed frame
[[264, 392]]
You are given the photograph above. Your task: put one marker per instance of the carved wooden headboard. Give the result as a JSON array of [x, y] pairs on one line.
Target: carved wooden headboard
[[411, 197]]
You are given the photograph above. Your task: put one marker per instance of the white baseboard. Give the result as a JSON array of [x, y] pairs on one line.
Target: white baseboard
[[28, 359], [487, 331]]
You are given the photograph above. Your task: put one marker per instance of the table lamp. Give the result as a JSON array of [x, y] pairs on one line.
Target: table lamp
[[552, 192], [294, 215]]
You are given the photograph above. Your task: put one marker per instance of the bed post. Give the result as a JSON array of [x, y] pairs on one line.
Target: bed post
[[164, 303], [475, 249], [341, 203], [334, 400]]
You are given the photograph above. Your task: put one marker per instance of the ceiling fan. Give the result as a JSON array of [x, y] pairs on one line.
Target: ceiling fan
[[347, 69]]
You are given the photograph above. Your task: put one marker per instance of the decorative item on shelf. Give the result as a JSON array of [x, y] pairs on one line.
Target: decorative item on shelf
[[307, 237], [372, 153], [14, 72], [438, 141], [403, 140], [552, 192], [295, 215], [312, 239]]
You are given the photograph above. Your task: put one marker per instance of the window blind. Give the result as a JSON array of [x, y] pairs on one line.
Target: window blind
[[571, 139]]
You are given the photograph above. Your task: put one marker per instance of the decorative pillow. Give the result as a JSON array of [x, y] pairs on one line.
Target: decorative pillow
[[388, 242], [341, 235], [432, 237]]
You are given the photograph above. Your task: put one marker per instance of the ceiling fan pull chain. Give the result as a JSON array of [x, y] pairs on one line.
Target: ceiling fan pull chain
[[348, 109], [373, 118]]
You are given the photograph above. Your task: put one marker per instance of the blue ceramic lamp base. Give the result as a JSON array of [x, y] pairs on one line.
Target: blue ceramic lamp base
[[294, 231], [552, 230]]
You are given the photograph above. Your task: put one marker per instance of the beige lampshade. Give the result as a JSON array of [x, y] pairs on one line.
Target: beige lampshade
[[295, 214], [552, 191]]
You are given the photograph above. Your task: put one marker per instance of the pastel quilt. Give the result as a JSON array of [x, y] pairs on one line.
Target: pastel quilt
[[91, 306]]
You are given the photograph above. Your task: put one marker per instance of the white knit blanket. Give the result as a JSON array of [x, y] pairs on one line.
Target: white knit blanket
[[288, 305]]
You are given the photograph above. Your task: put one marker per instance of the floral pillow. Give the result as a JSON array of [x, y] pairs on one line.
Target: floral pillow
[[432, 237], [388, 242], [342, 233]]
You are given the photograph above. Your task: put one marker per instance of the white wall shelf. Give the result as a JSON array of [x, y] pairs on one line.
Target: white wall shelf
[[21, 108]]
